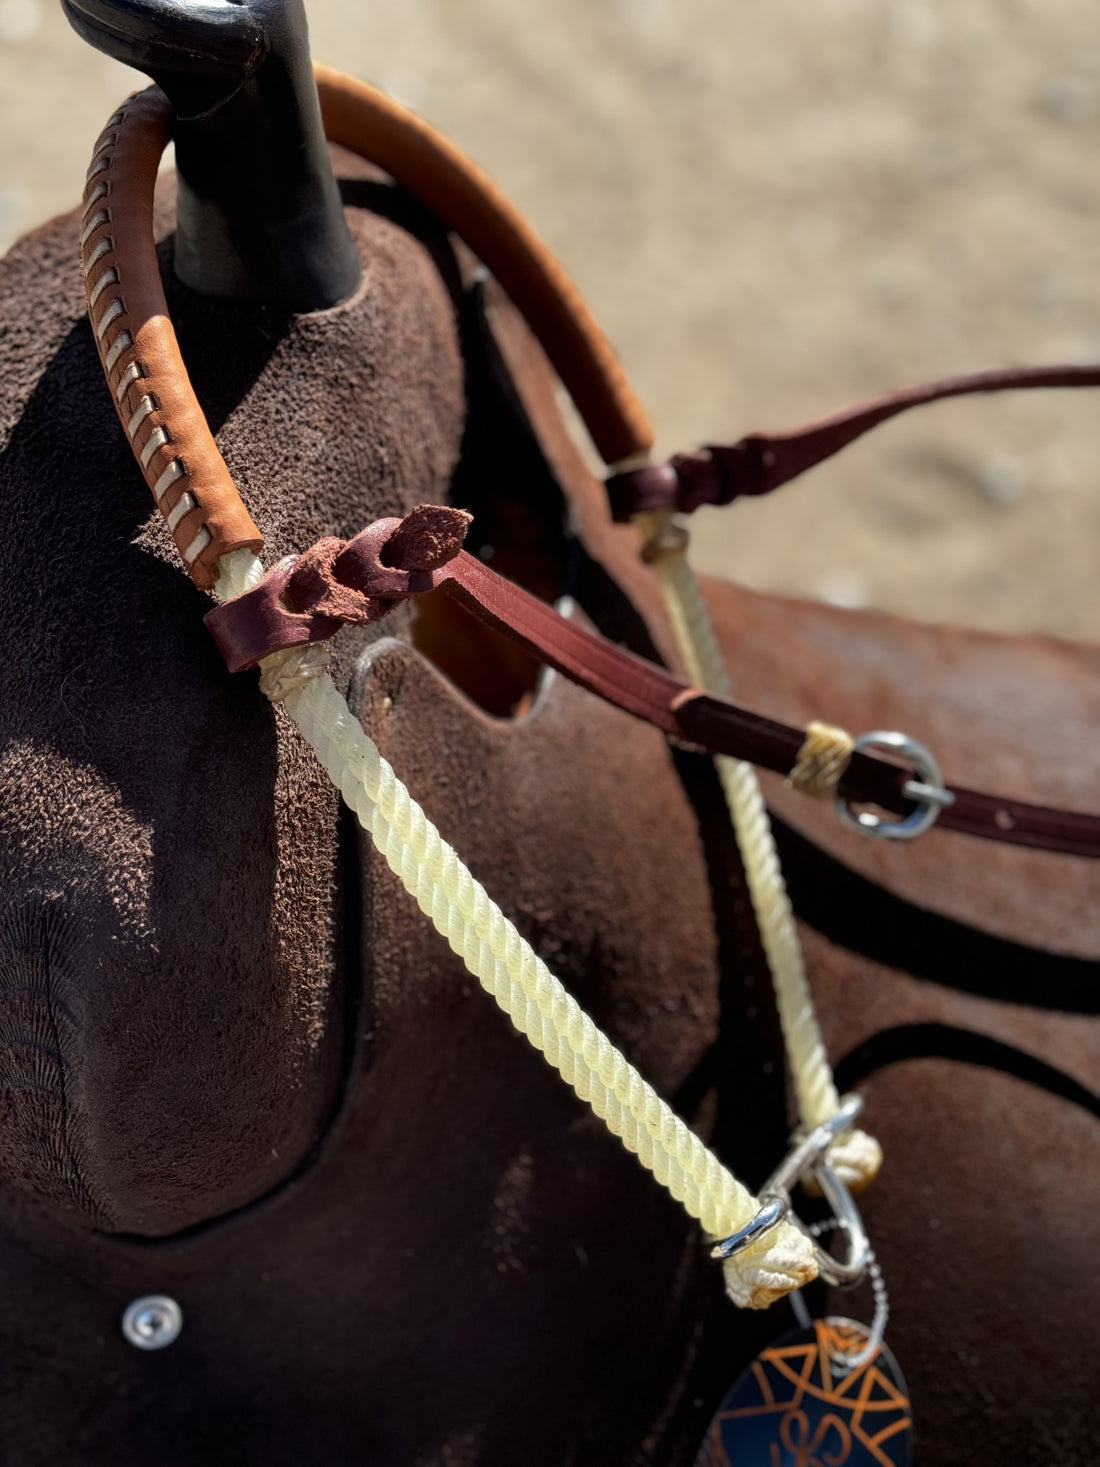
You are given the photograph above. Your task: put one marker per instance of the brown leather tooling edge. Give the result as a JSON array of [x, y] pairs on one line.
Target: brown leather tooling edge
[[760, 462], [137, 345], [307, 599]]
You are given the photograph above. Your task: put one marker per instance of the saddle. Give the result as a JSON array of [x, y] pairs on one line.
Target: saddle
[[458, 1197]]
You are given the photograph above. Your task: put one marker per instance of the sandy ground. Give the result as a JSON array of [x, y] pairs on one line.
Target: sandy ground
[[775, 207]]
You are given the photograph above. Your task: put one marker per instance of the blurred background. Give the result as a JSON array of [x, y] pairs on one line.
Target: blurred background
[[775, 208]]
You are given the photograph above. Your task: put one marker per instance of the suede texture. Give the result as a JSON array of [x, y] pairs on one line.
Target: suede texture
[[149, 802], [238, 1067]]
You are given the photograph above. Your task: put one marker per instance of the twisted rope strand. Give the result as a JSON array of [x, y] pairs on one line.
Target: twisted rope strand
[[510, 970], [858, 1157]]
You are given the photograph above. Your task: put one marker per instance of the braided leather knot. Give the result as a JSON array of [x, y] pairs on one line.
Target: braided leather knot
[[308, 598], [711, 475]]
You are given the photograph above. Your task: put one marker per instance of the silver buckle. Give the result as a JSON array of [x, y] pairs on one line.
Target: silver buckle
[[808, 1156], [928, 791]]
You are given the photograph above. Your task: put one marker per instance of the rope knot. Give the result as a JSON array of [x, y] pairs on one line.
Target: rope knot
[[761, 1275], [308, 598], [856, 1160]]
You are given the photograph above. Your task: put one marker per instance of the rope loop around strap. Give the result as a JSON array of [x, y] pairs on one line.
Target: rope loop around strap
[[822, 761]]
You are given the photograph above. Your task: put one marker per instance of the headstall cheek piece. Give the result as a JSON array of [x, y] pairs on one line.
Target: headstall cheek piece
[[254, 625]]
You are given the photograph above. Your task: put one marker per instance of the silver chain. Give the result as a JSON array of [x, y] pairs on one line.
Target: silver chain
[[844, 1364]]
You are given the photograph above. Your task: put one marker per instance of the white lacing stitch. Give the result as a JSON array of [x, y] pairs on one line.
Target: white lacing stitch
[[122, 342], [100, 191], [108, 277], [145, 406], [100, 217], [158, 438], [103, 247], [183, 505], [114, 309], [192, 552], [174, 471], [133, 373]]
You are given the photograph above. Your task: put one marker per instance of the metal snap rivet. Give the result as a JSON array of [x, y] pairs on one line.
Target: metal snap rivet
[[152, 1322]]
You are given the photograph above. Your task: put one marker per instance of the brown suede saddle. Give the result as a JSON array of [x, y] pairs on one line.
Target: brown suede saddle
[[239, 1070]]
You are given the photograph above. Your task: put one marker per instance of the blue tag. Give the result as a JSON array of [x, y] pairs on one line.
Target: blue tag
[[798, 1406]]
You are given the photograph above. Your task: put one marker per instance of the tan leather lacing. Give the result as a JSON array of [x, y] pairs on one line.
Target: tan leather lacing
[[149, 384]]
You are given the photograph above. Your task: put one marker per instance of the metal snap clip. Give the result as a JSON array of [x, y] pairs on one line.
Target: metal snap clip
[[846, 1273], [809, 1155], [928, 791]]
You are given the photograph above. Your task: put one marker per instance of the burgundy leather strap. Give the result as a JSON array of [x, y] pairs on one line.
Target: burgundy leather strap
[[761, 462], [306, 599]]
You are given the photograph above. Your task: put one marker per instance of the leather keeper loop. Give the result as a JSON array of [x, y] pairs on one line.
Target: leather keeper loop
[[308, 598]]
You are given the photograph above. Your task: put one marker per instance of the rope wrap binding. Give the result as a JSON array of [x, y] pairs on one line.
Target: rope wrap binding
[[822, 761]]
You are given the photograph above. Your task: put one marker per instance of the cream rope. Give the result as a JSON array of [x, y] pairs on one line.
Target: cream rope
[[856, 1158], [510, 970]]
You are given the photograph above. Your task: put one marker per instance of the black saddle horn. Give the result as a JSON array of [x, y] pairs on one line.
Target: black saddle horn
[[259, 214]]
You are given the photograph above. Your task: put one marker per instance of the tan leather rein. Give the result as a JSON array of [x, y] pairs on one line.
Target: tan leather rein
[[360, 580]]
